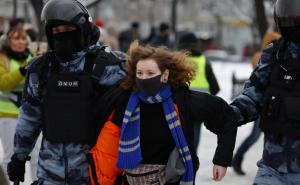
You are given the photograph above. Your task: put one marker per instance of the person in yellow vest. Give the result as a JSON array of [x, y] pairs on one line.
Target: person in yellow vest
[[205, 80], [14, 56]]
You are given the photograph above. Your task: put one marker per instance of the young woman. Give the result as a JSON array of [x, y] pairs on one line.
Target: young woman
[[154, 115]]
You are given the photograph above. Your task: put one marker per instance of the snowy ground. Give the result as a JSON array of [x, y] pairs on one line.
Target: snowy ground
[[208, 140]]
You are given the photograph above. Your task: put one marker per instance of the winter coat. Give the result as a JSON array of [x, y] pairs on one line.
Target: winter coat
[[192, 106]]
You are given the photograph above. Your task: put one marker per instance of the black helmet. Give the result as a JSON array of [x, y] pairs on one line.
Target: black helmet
[[287, 18], [58, 12]]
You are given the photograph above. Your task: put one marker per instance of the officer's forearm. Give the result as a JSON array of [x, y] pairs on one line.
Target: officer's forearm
[[27, 130]]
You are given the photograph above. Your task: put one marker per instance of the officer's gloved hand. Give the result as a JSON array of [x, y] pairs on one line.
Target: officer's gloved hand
[[16, 168], [23, 70]]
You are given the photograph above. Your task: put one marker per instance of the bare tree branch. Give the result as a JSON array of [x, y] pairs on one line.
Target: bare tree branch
[[174, 17], [261, 18], [14, 9], [37, 7]]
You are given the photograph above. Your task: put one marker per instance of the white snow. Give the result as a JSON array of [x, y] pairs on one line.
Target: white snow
[[223, 72], [208, 140]]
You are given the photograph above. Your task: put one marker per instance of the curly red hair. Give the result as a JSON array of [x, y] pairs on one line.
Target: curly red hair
[[181, 70]]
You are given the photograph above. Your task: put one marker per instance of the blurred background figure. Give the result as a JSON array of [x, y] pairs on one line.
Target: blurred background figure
[[14, 56], [31, 32], [268, 38], [207, 41], [127, 36], [205, 80], [108, 35], [35, 46], [1, 26], [14, 22], [255, 133], [103, 33], [248, 50], [112, 38], [150, 36], [163, 38]]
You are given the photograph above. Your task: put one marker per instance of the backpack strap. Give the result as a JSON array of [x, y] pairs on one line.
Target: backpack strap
[[40, 66], [275, 50], [278, 50]]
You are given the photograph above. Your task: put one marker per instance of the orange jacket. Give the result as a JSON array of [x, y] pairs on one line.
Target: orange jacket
[[103, 169], [103, 156]]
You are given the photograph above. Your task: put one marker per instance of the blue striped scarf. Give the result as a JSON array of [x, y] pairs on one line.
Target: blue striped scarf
[[129, 155]]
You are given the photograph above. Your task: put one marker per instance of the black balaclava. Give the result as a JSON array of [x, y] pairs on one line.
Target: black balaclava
[[291, 33], [149, 86], [65, 44], [17, 55]]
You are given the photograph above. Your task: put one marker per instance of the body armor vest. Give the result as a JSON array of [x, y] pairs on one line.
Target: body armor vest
[[281, 111], [68, 108], [70, 99]]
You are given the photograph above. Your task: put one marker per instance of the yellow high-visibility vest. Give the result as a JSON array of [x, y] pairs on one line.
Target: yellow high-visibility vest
[[7, 107], [200, 83]]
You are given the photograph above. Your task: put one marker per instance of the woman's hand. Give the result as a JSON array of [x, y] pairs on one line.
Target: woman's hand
[[219, 172]]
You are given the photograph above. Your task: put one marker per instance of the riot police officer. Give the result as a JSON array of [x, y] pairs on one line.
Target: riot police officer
[[273, 93], [62, 88]]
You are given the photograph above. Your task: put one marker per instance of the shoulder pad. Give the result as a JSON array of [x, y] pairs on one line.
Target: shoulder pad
[[104, 58], [275, 45], [38, 63], [108, 67], [269, 48], [110, 58], [34, 62], [120, 55]]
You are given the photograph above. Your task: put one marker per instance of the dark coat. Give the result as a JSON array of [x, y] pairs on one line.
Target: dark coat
[[193, 106]]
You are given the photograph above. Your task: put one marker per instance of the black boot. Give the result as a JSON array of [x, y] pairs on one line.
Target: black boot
[[237, 165]]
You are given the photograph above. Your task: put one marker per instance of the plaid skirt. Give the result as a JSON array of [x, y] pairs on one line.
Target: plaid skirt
[[146, 174]]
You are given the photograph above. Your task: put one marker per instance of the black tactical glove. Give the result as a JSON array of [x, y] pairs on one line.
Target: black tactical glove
[[16, 168], [23, 70]]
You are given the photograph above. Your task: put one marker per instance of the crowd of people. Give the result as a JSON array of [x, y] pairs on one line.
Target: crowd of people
[[83, 112]]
